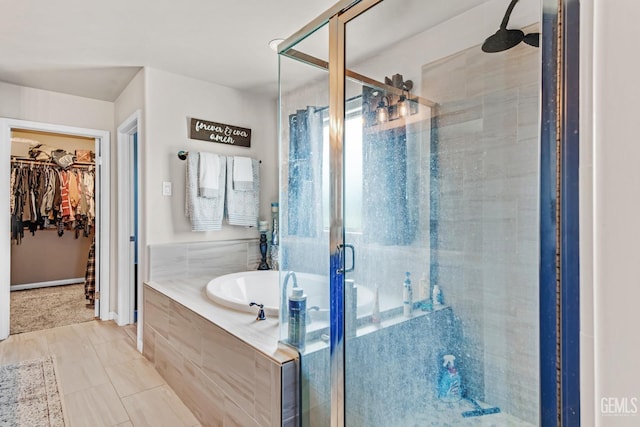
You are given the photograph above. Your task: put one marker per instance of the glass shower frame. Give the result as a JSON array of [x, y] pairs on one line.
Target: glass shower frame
[[558, 394]]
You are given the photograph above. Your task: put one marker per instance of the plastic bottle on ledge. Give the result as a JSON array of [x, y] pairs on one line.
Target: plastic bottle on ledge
[[297, 318], [436, 297], [273, 254], [425, 294], [375, 314], [274, 224], [407, 296]]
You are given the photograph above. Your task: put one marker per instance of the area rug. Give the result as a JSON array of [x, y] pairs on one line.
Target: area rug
[[29, 394], [45, 308]]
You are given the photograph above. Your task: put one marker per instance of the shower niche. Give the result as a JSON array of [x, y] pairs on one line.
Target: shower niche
[[405, 148]]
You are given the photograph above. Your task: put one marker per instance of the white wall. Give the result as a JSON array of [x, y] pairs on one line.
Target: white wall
[[588, 405], [616, 200], [131, 98], [128, 102], [166, 101], [170, 101], [24, 103]]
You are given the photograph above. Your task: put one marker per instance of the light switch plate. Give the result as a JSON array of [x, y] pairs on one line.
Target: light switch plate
[[166, 188]]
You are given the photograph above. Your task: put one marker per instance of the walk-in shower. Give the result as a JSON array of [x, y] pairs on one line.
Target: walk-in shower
[[411, 168]]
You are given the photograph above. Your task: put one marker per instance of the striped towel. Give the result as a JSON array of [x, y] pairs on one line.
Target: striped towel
[[205, 214], [243, 207]]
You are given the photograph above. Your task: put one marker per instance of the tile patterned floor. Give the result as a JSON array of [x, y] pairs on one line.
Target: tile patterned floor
[[105, 381]]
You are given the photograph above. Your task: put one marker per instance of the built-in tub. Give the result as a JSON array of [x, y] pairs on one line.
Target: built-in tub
[[237, 290]]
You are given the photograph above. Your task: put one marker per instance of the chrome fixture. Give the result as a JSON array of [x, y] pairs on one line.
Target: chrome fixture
[[309, 310], [261, 315]]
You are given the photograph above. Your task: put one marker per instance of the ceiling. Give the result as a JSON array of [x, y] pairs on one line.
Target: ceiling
[[94, 48]]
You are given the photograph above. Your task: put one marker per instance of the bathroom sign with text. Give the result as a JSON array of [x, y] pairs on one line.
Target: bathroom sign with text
[[219, 132]]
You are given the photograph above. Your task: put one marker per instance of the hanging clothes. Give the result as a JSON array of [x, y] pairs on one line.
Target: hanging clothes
[[46, 196], [90, 275]]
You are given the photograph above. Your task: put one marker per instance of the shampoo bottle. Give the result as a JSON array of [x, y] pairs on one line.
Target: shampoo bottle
[[436, 297], [450, 385], [297, 318], [407, 296], [425, 293]]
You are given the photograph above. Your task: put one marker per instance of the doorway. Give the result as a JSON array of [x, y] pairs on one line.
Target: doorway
[[129, 289], [101, 208]]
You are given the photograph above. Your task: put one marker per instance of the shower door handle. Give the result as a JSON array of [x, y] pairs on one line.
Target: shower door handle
[[353, 259]]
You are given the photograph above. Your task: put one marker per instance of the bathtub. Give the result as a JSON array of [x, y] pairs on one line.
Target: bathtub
[[237, 290]]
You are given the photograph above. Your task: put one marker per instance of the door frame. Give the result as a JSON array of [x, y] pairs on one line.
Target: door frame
[[103, 206], [126, 299]]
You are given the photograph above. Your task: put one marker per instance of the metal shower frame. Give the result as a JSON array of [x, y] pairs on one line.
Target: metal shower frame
[[559, 242]]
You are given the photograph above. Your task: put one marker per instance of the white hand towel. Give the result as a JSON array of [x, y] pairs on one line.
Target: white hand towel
[[243, 207], [242, 173], [208, 173], [203, 213]]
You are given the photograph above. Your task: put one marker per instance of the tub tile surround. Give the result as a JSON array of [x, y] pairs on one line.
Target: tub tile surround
[[198, 259], [227, 367]]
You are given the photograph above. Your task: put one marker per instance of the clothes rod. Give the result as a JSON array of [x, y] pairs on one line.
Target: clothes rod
[[47, 163], [182, 155]]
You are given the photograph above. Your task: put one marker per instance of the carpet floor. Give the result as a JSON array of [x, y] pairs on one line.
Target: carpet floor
[[45, 308], [29, 394]]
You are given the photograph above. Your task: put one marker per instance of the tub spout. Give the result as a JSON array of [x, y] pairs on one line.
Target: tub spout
[[291, 275]]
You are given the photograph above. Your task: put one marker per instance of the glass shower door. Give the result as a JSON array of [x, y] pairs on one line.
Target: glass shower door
[[440, 197], [410, 214]]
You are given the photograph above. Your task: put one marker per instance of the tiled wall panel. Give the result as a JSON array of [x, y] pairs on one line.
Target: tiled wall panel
[[180, 260], [486, 219], [224, 381]]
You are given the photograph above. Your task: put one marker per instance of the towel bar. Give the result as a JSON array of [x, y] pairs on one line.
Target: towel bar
[[182, 155]]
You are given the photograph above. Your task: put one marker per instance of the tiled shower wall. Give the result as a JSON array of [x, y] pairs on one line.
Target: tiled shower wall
[[484, 218]]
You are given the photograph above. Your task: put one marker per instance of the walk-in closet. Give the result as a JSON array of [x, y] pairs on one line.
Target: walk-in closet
[[53, 209]]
